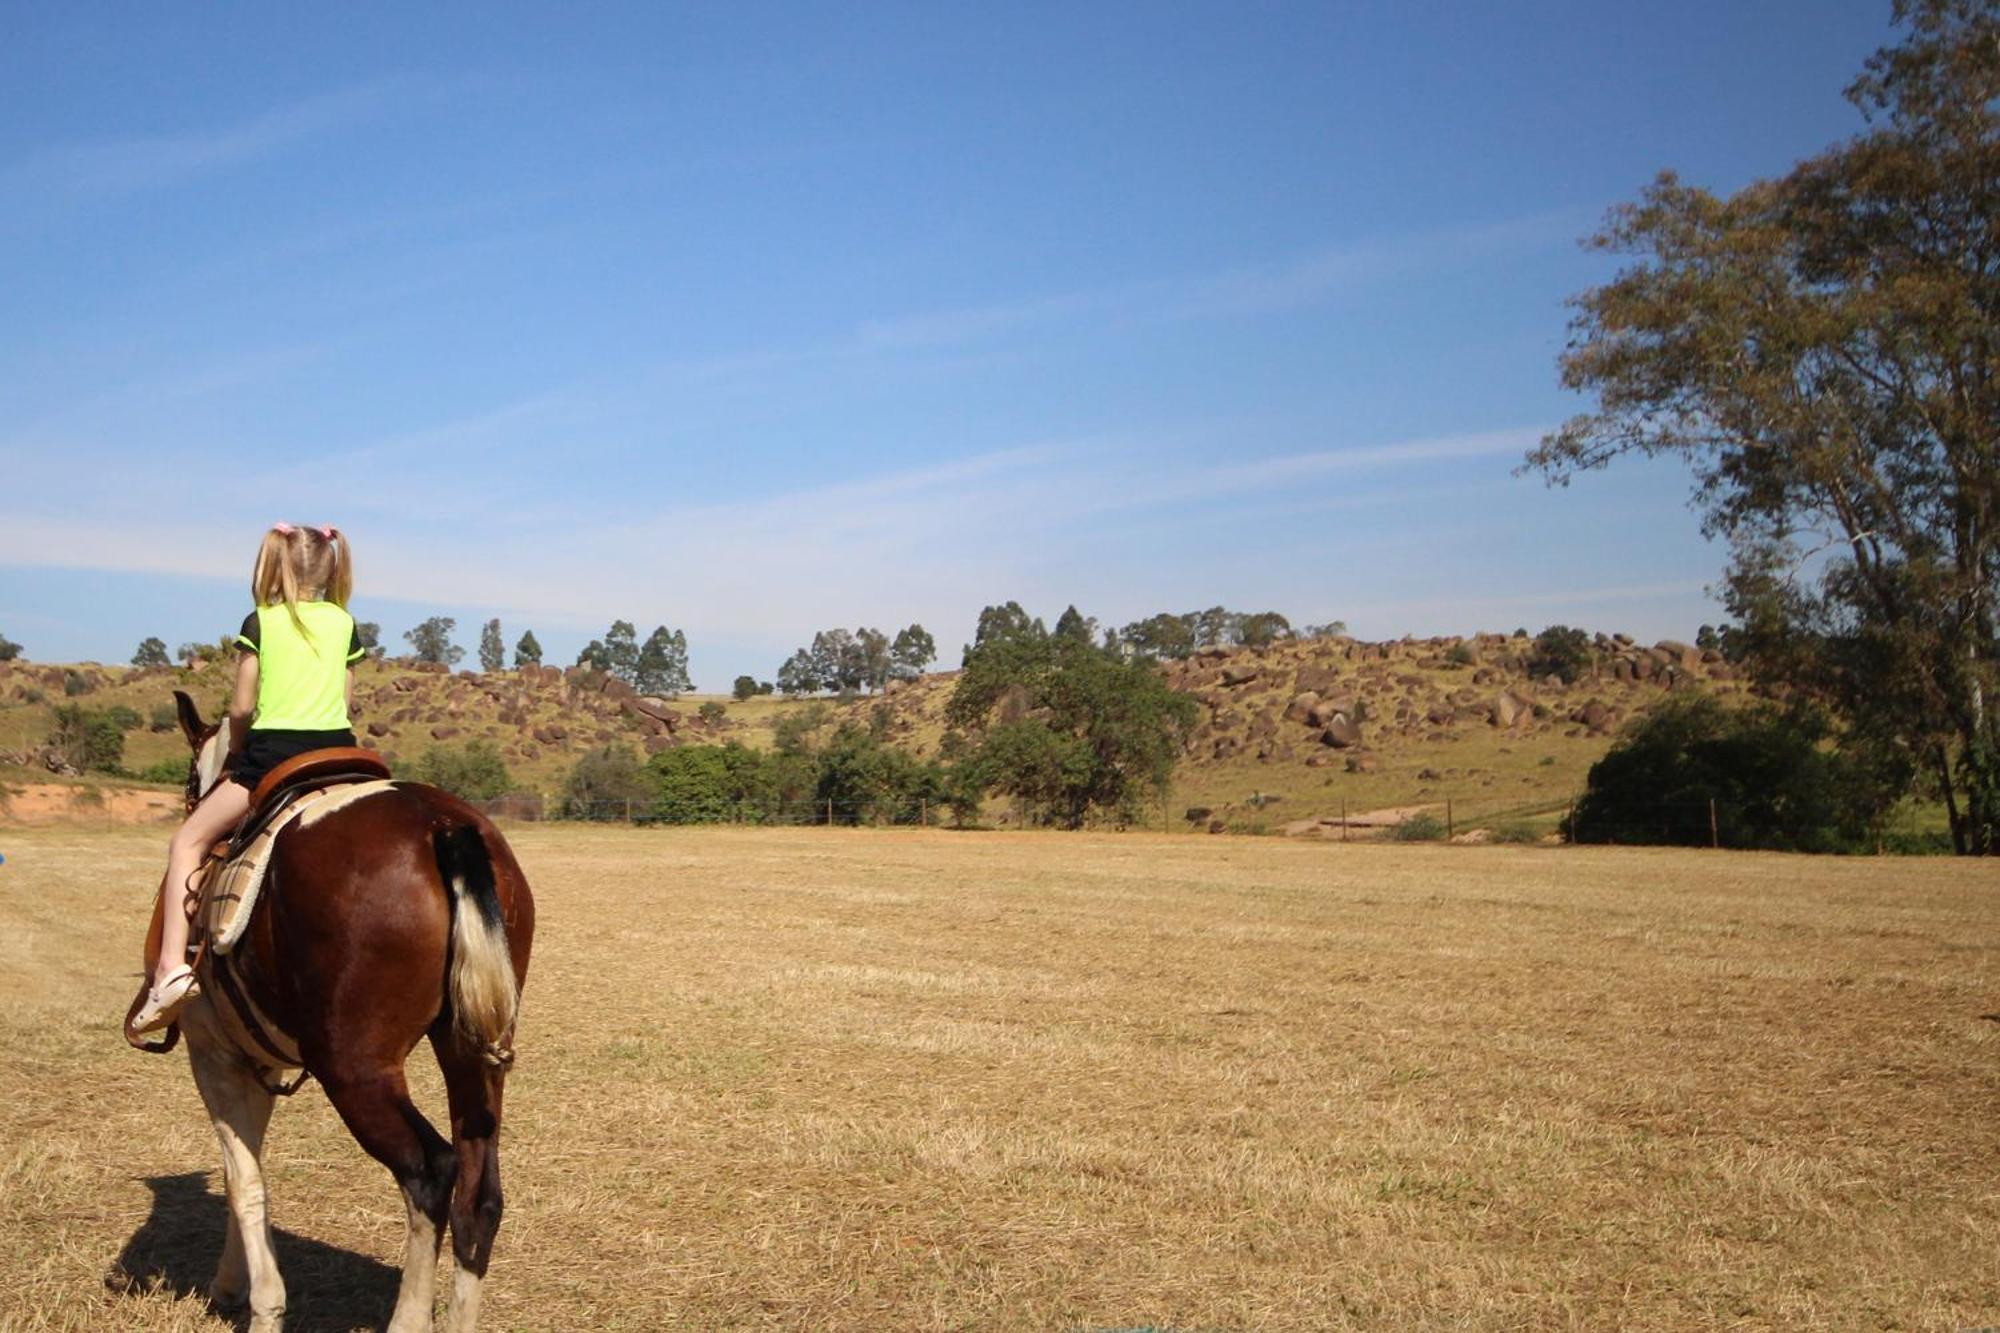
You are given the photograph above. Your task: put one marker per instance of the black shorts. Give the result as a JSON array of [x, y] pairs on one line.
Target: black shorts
[[265, 750]]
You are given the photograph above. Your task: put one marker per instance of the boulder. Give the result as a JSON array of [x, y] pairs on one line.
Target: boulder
[[1510, 710], [1341, 733], [1363, 762], [1233, 676], [1301, 706], [443, 733], [378, 728], [1683, 654]]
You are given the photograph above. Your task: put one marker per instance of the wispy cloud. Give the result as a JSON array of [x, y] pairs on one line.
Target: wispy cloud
[[80, 171], [1242, 291]]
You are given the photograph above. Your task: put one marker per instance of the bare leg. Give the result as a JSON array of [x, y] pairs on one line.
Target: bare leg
[[241, 1110], [218, 812]]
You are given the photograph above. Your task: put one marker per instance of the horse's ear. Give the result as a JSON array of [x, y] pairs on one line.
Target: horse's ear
[[192, 726]]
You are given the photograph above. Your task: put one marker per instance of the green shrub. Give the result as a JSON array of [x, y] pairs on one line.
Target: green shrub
[[1515, 833], [1560, 651], [708, 784], [712, 712], [75, 683], [744, 688], [172, 771], [474, 771], [1461, 655], [1764, 775], [124, 717], [1420, 827], [87, 740], [164, 717], [604, 784]]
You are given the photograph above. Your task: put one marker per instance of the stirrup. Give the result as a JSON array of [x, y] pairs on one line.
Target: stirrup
[[164, 1001]]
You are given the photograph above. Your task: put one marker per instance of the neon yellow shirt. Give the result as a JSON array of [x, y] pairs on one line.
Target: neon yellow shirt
[[301, 679]]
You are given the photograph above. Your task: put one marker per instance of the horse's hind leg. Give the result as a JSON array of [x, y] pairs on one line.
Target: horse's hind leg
[[473, 1088], [377, 1108], [241, 1110]]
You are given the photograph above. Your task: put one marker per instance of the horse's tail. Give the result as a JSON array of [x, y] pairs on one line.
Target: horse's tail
[[484, 993]]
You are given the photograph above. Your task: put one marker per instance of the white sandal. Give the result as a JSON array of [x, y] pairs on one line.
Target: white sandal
[[165, 999]]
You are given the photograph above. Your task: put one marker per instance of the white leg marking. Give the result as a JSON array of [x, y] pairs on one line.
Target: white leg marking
[[463, 1313], [240, 1109], [419, 1290]]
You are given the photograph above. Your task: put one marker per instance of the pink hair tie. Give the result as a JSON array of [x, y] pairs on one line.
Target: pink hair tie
[[283, 529], [329, 532]]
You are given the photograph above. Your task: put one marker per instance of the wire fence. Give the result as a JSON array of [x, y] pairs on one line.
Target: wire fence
[[773, 812], [1690, 822]]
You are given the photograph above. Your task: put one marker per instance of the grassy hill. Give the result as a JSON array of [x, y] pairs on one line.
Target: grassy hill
[[1290, 733]]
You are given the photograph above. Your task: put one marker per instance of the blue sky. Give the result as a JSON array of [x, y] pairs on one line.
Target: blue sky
[[757, 319]]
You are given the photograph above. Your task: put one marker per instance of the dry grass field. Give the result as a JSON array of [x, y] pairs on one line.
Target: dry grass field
[[867, 1080]]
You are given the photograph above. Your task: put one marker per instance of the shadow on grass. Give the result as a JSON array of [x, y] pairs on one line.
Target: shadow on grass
[[176, 1249]]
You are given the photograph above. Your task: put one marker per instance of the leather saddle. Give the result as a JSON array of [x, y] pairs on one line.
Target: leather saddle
[[302, 773]]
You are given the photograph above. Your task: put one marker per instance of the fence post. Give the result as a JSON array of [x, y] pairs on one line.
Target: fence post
[[829, 812], [628, 809], [1343, 819], [1714, 830], [1447, 819]]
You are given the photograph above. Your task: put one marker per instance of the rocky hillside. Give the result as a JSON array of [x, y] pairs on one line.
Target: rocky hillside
[[1290, 734]]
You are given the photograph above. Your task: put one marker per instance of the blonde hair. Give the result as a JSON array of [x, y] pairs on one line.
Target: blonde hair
[[294, 561]]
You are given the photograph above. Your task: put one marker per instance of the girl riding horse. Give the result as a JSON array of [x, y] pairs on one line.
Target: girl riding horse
[[294, 687]]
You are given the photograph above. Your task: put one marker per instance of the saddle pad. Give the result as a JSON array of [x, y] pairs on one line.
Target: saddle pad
[[231, 894]]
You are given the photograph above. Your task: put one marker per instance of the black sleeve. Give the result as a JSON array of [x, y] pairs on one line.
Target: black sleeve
[[355, 652], [247, 637]]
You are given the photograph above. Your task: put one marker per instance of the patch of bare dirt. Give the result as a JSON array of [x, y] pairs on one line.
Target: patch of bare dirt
[[41, 803]]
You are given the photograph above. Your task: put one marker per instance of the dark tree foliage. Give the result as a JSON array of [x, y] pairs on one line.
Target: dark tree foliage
[[1006, 623], [1064, 726], [913, 650], [865, 780], [799, 675], [9, 650], [594, 656], [621, 650], [431, 641], [492, 648], [663, 664], [367, 631], [745, 687], [872, 658], [1561, 651], [1261, 628], [151, 652], [528, 652], [190, 653], [1821, 349], [607, 784], [1772, 781]]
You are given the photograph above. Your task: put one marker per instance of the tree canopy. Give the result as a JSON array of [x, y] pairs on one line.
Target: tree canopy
[[1821, 349], [431, 641], [1061, 724], [492, 648]]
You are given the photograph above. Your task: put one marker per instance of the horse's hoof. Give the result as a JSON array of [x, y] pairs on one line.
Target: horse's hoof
[[268, 1323], [224, 1297]]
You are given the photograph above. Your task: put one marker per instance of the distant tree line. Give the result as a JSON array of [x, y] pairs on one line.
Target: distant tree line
[[846, 661]]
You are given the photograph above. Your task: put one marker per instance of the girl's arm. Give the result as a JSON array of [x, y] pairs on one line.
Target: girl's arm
[[243, 705]]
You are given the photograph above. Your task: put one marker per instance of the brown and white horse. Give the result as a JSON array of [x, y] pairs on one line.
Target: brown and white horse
[[398, 916]]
